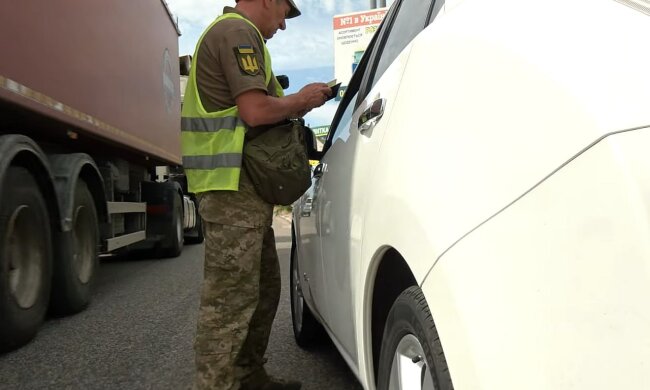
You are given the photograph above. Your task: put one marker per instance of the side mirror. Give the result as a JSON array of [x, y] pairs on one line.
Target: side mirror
[[185, 63], [283, 80]]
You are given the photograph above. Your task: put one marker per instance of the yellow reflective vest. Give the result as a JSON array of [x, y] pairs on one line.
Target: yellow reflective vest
[[212, 142]]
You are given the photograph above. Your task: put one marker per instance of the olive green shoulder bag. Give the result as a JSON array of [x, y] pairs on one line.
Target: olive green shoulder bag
[[277, 162]]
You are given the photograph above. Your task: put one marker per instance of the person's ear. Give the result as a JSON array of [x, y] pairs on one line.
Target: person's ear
[[268, 3]]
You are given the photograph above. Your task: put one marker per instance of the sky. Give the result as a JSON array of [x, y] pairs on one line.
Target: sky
[[304, 51]]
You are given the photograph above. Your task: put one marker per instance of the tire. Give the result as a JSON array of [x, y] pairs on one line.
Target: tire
[[306, 329], [195, 236], [411, 344], [172, 245], [25, 258], [77, 256]]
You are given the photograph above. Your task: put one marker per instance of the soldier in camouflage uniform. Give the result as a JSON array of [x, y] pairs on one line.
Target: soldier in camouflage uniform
[[241, 287]]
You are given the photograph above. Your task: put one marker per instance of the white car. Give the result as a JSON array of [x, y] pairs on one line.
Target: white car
[[481, 214]]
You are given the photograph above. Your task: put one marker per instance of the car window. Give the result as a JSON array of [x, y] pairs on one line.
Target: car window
[[437, 7], [351, 93], [412, 16], [342, 130]]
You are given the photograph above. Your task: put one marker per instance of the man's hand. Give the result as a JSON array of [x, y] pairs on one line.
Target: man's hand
[[314, 95], [256, 108]]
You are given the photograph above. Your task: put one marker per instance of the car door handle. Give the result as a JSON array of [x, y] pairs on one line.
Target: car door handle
[[372, 115], [319, 170]]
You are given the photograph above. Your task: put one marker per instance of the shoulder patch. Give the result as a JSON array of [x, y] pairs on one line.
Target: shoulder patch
[[247, 59]]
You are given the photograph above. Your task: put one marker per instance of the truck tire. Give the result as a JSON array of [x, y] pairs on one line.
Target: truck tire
[[411, 347], [172, 245], [195, 236], [77, 256], [165, 228], [25, 258], [307, 331]]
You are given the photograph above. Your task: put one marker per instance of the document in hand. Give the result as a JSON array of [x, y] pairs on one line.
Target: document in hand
[[335, 88]]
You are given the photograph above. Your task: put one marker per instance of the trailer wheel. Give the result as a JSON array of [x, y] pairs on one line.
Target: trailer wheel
[[195, 236], [25, 258], [78, 253]]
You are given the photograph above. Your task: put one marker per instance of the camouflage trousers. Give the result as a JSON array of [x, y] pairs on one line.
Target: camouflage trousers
[[239, 298]]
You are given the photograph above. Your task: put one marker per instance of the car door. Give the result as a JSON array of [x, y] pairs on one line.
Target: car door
[[309, 248], [348, 165]]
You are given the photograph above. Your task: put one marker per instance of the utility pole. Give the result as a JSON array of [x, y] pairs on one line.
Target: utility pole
[[373, 4], [377, 4]]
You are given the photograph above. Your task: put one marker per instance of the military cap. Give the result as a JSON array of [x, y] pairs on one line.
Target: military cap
[[294, 9]]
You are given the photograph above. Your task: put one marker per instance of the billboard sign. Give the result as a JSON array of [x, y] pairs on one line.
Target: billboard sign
[[320, 131], [352, 34]]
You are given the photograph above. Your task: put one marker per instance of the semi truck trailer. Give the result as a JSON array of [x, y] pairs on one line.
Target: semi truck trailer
[[89, 108]]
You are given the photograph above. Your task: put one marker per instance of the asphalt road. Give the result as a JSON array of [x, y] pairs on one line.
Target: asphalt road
[[138, 333]]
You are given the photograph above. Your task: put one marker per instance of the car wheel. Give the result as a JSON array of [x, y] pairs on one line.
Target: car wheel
[[306, 329], [25, 258], [411, 354]]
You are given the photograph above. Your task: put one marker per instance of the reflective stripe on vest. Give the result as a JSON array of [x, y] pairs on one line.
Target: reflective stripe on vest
[[212, 142], [222, 160], [210, 124]]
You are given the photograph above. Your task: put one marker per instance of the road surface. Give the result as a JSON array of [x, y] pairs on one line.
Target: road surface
[[138, 333]]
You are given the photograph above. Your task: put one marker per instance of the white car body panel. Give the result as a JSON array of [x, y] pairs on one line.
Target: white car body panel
[[569, 311], [500, 149], [495, 115]]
